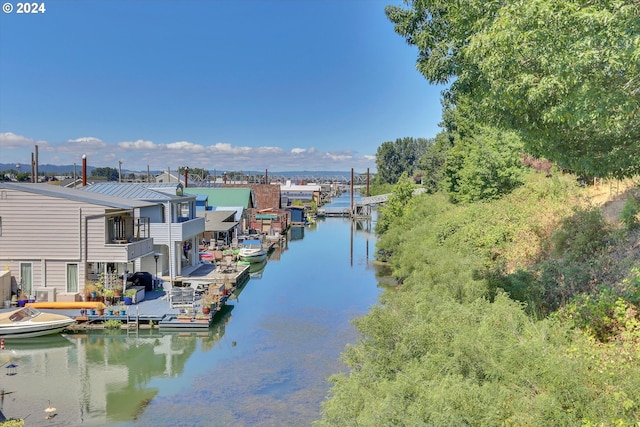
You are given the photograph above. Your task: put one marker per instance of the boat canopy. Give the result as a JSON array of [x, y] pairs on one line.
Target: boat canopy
[[252, 242]]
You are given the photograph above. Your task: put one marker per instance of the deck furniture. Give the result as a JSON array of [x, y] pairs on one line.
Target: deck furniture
[[182, 297]]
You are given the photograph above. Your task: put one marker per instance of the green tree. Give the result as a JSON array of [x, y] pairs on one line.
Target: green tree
[[432, 162], [564, 74], [110, 174], [395, 158], [485, 166], [397, 204]]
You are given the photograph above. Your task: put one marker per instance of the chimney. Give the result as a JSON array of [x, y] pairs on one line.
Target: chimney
[[84, 170], [36, 165]]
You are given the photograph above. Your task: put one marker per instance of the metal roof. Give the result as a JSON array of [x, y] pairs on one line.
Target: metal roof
[[224, 196], [139, 190], [77, 195], [218, 220]]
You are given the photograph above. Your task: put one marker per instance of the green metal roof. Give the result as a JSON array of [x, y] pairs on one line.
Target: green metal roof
[[224, 196]]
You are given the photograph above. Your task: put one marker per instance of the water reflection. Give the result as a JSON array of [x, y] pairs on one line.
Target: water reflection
[[257, 268], [97, 378]]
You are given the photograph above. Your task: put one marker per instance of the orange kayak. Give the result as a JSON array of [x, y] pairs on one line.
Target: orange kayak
[[67, 305]]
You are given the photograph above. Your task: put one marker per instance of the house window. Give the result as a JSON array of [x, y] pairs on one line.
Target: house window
[[184, 212], [72, 278], [26, 277]]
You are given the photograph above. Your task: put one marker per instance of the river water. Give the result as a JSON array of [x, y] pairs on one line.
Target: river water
[[264, 362]]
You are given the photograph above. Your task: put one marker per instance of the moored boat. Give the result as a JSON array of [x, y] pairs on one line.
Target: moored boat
[[27, 322], [252, 251]]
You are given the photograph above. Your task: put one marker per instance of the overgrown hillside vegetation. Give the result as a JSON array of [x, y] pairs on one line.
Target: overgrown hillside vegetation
[[519, 311]]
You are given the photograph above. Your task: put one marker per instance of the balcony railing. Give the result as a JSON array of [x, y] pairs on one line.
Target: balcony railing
[[123, 229]]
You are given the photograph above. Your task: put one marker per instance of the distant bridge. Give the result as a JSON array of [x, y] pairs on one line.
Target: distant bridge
[[374, 200], [200, 181], [362, 208]]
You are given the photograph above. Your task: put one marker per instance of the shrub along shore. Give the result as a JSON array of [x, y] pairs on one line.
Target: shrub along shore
[[516, 311]]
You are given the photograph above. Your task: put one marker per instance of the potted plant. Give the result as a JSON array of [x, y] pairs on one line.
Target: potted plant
[[122, 309], [129, 294], [100, 290], [100, 309], [207, 302], [110, 310], [108, 295], [91, 290]]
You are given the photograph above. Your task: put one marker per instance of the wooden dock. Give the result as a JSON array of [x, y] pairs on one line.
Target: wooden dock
[[155, 309], [334, 212]]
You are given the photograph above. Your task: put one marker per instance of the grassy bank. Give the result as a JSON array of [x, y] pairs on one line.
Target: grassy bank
[[520, 311]]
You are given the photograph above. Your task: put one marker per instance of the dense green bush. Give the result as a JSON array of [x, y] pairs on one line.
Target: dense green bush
[[455, 343], [629, 214], [483, 167], [581, 236], [397, 204]]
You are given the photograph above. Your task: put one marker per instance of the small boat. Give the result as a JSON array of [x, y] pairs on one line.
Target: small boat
[[27, 322], [252, 251]]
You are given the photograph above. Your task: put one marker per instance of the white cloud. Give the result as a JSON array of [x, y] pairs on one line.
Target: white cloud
[[137, 155], [88, 140], [339, 157], [85, 145], [137, 145], [9, 140], [222, 147]]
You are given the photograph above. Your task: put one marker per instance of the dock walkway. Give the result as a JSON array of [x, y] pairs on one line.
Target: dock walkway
[[155, 308]]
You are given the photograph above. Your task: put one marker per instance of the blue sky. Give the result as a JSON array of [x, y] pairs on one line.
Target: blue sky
[[216, 84]]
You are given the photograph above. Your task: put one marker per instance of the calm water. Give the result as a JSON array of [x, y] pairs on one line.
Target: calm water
[[264, 362]]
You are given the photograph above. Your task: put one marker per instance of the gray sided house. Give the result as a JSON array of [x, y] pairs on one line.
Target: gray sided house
[[54, 240], [175, 229]]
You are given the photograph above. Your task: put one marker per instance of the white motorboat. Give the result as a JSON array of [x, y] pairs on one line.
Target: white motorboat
[[27, 322], [252, 251]]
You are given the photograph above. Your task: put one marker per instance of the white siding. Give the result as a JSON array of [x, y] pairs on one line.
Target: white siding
[[50, 232], [43, 230]]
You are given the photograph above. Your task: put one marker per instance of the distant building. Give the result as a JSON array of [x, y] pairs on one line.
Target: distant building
[[168, 177]]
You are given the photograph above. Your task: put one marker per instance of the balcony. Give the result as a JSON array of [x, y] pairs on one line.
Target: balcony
[[178, 230], [119, 250], [122, 230]]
